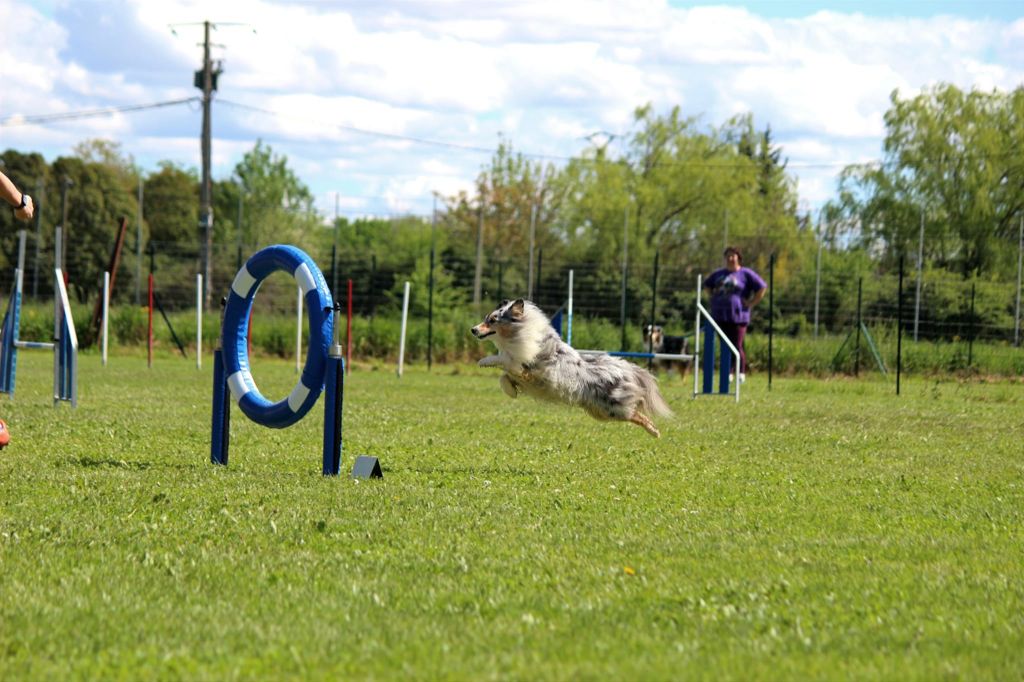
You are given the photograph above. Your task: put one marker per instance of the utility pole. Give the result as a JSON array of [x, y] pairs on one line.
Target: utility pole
[[206, 80]]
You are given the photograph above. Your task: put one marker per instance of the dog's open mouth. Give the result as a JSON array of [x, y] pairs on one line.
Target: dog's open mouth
[[482, 335]]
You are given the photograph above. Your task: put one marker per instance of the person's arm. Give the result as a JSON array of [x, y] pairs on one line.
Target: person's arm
[[20, 202], [756, 298], [754, 280]]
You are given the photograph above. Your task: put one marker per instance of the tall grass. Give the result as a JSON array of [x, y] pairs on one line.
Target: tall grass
[[823, 530]]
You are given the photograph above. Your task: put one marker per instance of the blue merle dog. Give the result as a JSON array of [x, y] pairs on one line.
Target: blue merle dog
[[538, 363]]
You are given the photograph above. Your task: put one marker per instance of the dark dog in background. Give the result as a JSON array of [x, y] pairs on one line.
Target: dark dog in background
[[656, 339]]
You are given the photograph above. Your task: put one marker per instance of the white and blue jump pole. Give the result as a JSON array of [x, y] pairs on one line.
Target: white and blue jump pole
[[65, 340], [729, 353], [325, 365]]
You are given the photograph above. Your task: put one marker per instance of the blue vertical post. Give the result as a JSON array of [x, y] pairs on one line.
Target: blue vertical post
[[709, 359], [8, 352], [220, 428], [64, 364], [335, 385]]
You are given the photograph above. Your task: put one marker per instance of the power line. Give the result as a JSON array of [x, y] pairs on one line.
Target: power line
[[377, 133], [532, 155], [17, 120]]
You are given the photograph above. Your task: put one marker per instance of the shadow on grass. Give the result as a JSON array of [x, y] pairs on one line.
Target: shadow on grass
[[89, 463], [493, 471]]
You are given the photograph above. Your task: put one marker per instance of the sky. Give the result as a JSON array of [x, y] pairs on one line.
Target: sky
[[378, 104]]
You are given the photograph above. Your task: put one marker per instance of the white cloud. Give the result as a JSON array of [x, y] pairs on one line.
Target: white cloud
[[543, 74]]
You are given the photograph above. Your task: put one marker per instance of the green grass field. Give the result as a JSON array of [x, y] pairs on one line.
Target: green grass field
[[827, 529]]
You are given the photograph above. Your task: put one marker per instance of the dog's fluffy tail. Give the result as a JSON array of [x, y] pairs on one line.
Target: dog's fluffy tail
[[651, 402]]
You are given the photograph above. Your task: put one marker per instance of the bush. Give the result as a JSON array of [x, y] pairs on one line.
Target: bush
[[128, 325]]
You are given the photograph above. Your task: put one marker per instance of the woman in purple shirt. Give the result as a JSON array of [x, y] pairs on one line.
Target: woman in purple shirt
[[734, 291]]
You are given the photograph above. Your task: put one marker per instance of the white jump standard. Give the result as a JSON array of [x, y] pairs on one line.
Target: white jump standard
[[711, 330], [324, 362], [65, 340]]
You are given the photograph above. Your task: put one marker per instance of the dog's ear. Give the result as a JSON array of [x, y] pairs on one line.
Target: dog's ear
[[517, 309]]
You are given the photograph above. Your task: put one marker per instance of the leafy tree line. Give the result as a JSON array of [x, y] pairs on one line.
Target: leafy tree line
[[673, 188], [264, 201], [954, 164]]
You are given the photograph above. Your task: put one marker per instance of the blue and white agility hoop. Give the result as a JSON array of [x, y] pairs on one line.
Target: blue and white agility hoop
[[235, 331]]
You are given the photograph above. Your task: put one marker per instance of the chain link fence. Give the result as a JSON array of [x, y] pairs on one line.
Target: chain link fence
[[819, 307]]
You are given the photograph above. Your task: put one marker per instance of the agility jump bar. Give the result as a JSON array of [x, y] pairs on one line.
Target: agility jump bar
[[643, 356], [64, 346]]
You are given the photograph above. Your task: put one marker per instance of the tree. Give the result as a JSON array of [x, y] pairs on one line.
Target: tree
[[684, 188], [508, 190], [108, 153], [957, 158], [172, 204], [279, 207], [97, 199]]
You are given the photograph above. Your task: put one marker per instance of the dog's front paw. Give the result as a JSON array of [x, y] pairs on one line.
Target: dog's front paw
[[510, 387]]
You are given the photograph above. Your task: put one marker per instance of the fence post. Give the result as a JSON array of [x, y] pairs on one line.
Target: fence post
[[348, 330], [529, 266], [199, 320], [39, 216], [430, 312], [401, 340], [568, 335], [973, 331], [478, 271], [856, 360], [373, 280], [138, 247], [1020, 262], [654, 308], [817, 285], [899, 329], [149, 325], [106, 312], [540, 264], [625, 261], [920, 264], [771, 318]]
